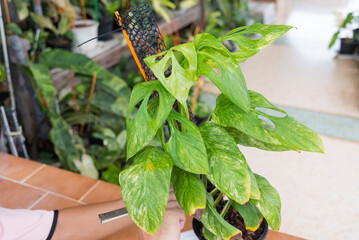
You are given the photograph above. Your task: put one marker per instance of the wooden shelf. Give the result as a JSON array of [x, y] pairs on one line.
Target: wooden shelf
[[112, 51]]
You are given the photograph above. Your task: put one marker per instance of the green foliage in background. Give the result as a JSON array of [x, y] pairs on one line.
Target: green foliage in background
[[105, 120], [191, 156], [349, 19]]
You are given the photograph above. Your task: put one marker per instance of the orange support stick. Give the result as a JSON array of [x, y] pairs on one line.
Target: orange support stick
[[178, 38], [163, 35], [88, 103], [8, 20], [61, 10], [67, 8], [118, 17], [83, 11], [198, 87]]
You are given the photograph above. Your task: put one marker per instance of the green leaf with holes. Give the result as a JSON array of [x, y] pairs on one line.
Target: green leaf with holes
[[186, 146], [267, 125], [212, 53], [247, 42], [217, 225], [269, 205], [183, 62], [145, 188], [227, 165], [189, 190], [143, 127], [251, 215]]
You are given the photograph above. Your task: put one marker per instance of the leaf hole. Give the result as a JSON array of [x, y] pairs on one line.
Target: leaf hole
[[231, 45], [253, 36], [271, 112], [266, 123], [181, 59], [153, 105], [168, 68]]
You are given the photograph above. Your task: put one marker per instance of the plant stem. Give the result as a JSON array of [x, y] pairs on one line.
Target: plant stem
[[226, 208], [219, 198], [214, 191]]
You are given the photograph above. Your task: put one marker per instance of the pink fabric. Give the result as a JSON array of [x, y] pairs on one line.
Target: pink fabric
[[25, 224]]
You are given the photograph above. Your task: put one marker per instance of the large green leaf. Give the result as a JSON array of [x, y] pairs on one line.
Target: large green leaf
[[249, 46], [217, 225], [44, 22], [251, 215], [227, 165], [186, 146], [42, 78], [269, 205], [231, 82], [189, 190], [183, 62], [66, 144], [255, 193], [209, 235], [85, 66], [143, 127], [145, 188], [266, 125]]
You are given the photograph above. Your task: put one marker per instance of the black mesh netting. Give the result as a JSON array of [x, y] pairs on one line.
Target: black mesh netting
[[143, 32], [141, 26]]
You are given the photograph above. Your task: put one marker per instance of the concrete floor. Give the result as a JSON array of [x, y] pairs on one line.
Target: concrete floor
[[319, 191]]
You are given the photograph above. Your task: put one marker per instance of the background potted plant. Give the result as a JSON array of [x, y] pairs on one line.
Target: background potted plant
[[347, 44], [210, 176]]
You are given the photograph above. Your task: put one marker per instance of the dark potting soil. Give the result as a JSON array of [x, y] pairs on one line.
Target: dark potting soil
[[236, 220]]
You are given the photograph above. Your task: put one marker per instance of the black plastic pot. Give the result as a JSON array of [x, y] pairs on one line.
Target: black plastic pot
[[60, 43], [356, 34], [347, 46], [197, 227], [105, 26]]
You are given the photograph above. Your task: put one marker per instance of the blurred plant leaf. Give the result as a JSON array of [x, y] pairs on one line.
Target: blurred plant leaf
[[86, 166], [14, 28], [44, 22]]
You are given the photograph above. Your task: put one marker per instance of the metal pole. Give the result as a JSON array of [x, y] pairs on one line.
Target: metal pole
[[6, 59], [8, 132], [21, 136]]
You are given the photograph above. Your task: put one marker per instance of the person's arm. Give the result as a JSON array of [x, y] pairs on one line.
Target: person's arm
[[82, 222]]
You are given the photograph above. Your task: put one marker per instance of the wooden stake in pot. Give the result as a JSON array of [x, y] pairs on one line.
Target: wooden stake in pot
[[88, 103]]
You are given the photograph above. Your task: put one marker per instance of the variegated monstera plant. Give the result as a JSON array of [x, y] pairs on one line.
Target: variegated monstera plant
[[191, 156]]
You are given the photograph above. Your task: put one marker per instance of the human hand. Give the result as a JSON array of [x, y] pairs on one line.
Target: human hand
[[173, 222]]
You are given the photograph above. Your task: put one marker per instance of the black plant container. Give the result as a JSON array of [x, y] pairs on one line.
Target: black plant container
[[347, 46], [105, 26], [197, 227]]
